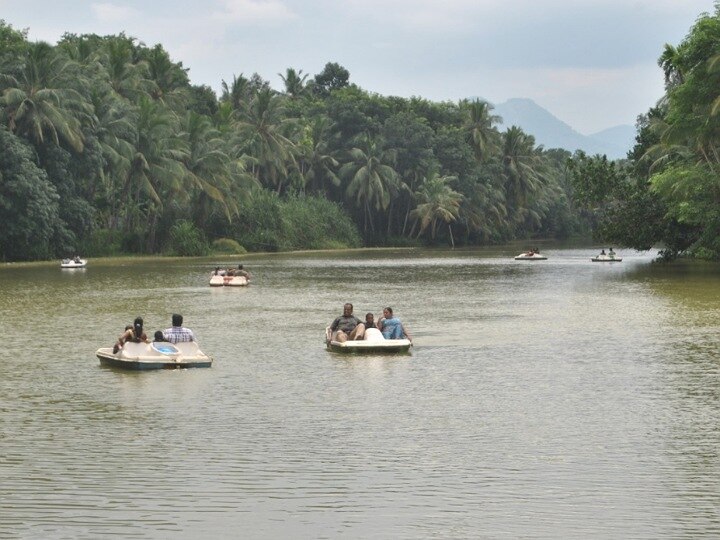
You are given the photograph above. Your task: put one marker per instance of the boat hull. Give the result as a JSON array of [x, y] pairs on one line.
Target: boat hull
[[374, 343], [606, 259], [228, 281], [72, 264], [146, 356], [530, 258], [360, 347]]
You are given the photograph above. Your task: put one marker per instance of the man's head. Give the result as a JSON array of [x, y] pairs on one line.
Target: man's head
[[177, 320], [347, 309]]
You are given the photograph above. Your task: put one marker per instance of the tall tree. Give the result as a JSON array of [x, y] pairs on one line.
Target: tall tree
[[39, 103], [209, 174], [521, 166], [369, 176], [294, 82], [437, 202], [261, 127], [479, 125]]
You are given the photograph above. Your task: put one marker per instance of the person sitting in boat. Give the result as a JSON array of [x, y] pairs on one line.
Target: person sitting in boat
[[347, 326], [159, 336], [178, 333], [611, 253], [530, 253], [370, 321], [602, 252], [77, 259], [230, 272], [134, 333], [242, 272], [217, 271], [391, 326]]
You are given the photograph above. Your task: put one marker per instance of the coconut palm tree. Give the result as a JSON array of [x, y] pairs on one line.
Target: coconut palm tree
[[369, 175], [478, 124], [316, 163], [522, 166], [294, 82], [170, 80], [156, 172], [236, 93], [116, 134], [260, 129], [39, 102], [128, 73], [438, 202], [209, 175]]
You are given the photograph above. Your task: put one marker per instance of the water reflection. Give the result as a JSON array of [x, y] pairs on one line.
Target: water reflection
[[557, 398]]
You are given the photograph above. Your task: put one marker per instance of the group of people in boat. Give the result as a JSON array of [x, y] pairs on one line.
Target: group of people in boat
[[348, 327], [239, 271], [531, 252], [610, 253], [136, 334]]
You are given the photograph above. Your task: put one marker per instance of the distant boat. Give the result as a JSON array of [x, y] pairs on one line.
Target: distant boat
[[606, 258], [220, 280], [530, 256], [73, 263]]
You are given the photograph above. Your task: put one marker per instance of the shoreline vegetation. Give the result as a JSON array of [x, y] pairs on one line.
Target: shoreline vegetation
[[108, 149]]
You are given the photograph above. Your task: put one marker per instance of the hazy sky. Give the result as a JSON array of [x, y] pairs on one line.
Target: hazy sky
[[592, 63]]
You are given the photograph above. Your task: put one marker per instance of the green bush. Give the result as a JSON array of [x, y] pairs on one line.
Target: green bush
[[270, 223], [101, 243], [187, 240], [228, 246], [316, 223]]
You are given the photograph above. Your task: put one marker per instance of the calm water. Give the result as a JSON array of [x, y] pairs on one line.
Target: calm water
[[555, 399]]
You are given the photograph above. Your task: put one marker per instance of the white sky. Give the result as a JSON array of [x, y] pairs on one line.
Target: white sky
[[592, 63]]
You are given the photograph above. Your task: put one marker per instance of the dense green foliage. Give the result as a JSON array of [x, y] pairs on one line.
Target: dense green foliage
[[668, 193], [123, 154]]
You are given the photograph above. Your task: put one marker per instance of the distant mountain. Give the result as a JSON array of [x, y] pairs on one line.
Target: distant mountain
[[551, 132]]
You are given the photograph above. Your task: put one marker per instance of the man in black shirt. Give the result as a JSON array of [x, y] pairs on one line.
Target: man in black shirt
[[347, 326]]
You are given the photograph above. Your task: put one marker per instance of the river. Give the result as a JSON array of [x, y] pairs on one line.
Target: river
[[549, 399]]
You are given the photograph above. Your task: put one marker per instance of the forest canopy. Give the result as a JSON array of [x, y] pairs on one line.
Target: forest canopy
[[108, 148]]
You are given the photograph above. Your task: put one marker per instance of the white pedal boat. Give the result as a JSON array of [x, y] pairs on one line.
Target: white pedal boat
[[606, 258], [218, 280], [72, 263], [156, 355], [529, 257], [374, 342]]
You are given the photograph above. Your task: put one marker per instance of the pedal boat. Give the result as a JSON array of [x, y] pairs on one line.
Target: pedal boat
[[606, 258], [72, 263], [373, 343], [220, 280], [531, 257], [156, 355]]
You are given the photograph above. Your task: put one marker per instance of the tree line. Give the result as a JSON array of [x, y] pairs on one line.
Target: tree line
[[108, 148]]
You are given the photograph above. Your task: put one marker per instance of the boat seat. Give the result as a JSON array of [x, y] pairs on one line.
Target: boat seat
[[188, 348], [373, 334]]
